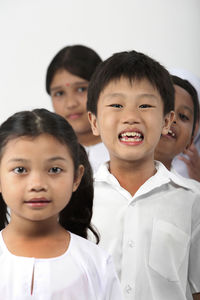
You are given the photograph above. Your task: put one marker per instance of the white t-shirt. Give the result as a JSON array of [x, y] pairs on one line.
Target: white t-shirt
[[83, 272], [97, 155], [154, 236]]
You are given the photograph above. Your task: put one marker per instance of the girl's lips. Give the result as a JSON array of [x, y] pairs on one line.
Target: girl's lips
[[37, 202], [74, 116]]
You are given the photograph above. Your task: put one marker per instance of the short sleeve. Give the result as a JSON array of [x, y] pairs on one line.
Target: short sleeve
[[194, 258], [112, 285]]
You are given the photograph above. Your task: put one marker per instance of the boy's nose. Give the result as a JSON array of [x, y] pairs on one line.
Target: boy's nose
[[131, 118], [174, 119]]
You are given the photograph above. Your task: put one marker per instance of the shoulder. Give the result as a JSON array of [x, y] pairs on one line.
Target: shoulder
[[188, 182], [172, 177], [97, 155], [89, 252], [2, 246]]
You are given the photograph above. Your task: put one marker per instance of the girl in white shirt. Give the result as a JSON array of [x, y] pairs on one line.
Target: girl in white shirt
[[46, 182], [67, 80]]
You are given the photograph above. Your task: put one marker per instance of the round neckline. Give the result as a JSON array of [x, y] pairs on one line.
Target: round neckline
[[67, 252]]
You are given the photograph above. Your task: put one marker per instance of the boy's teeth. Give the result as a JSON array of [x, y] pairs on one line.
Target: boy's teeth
[[131, 134], [171, 133]]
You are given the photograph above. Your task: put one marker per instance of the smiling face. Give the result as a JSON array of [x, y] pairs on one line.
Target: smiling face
[[69, 97], [180, 135], [130, 120], [37, 177]]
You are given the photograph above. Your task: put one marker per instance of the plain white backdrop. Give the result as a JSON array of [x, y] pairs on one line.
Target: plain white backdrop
[[33, 31]]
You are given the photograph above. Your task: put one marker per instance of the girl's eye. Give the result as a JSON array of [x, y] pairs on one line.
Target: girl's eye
[[55, 170], [19, 170], [116, 105], [145, 105], [82, 89], [58, 94], [183, 117]]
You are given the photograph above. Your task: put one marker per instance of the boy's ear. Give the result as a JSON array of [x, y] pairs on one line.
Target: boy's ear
[[168, 120], [78, 177], [93, 122]]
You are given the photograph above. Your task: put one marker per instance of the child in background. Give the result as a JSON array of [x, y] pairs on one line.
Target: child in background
[[182, 131], [148, 219], [187, 164], [67, 80], [46, 182]]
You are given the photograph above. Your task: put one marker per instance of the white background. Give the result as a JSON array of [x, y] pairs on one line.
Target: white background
[[33, 31]]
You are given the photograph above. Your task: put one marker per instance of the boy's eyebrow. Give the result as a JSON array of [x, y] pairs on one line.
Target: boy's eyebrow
[[146, 95], [189, 109], [78, 83]]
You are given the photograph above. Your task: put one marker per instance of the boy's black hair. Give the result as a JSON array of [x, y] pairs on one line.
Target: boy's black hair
[[186, 85], [76, 216], [79, 60], [131, 65]]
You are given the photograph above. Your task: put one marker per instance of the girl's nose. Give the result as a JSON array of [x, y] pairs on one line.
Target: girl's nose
[[37, 183], [38, 188], [71, 101]]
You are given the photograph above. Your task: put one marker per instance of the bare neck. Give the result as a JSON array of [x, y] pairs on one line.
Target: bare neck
[[39, 239], [166, 161], [132, 176], [88, 139], [31, 229]]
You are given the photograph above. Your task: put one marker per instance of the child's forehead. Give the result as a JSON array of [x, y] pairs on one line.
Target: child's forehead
[[41, 139], [183, 95], [124, 83]]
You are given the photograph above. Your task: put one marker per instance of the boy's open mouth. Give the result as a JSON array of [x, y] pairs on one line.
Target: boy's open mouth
[[171, 134], [131, 136]]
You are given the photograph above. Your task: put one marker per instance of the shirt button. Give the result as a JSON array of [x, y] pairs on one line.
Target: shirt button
[[128, 289], [131, 244]]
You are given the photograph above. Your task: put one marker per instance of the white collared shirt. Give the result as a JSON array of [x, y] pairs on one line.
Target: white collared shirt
[[83, 272], [154, 236], [194, 184], [97, 154]]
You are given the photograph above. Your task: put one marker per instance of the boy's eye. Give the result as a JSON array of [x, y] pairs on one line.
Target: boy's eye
[[82, 89], [145, 105], [19, 170], [55, 170], [183, 117], [116, 105]]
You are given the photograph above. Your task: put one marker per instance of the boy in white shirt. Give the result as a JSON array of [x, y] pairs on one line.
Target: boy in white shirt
[[184, 127], [148, 219]]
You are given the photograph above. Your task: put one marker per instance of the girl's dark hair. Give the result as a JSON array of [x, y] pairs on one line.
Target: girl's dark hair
[[76, 216], [79, 60], [188, 87]]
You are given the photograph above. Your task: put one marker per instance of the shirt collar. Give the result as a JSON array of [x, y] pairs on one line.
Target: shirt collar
[[161, 177]]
